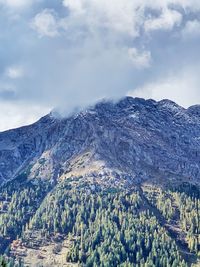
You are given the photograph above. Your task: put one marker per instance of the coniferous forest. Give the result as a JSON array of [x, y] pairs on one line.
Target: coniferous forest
[[103, 226]]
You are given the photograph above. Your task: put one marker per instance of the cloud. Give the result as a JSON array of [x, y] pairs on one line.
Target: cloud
[[124, 19], [191, 29], [127, 16], [75, 52], [183, 88], [15, 72], [74, 5], [45, 23], [166, 21], [139, 59], [19, 114], [120, 17]]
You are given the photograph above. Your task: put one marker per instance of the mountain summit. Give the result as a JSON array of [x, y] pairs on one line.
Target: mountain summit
[[134, 139]]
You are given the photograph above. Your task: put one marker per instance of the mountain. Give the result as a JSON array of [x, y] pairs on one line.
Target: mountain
[[137, 138], [135, 158]]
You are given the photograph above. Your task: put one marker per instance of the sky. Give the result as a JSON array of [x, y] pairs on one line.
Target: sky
[[68, 54]]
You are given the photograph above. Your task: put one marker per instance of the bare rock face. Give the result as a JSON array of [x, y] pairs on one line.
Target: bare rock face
[[137, 138]]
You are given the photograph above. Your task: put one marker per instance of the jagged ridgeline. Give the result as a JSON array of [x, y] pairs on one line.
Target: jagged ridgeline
[[114, 185]]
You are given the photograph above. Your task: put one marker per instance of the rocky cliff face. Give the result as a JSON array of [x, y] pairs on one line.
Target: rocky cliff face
[[134, 138]]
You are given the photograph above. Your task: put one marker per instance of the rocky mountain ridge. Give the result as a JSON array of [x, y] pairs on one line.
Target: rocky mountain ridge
[[134, 138]]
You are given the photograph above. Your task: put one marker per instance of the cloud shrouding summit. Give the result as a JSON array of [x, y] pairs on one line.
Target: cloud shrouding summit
[[71, 53]]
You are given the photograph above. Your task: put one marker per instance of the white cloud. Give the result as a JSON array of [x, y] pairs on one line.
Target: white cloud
[[191, 29], [14, 72], [45, 23], [187, 6], [19, 114], [120, 16], [103, 49], [74, 5], [139, 59], [166, 21], [125, 16], [182, 88]]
